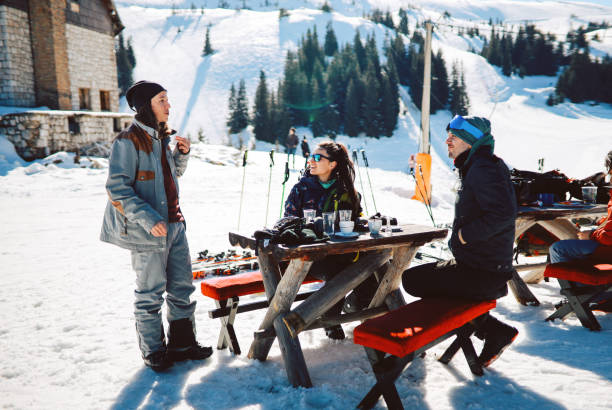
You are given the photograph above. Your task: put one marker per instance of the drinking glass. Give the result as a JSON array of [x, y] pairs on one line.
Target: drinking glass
[[309, 215], [344, 214], [589, 194], [328, 222]]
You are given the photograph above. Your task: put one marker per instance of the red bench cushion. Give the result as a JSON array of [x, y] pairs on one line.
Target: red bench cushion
[[404, 330], [581, 271], [247, 283]]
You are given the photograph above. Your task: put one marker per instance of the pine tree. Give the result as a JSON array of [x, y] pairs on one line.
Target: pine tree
[[351, 114], [124, 66], [261, 113], [359, 51], [458, 99], [208, 50], [370, 104], [238, 109], [506, 47], [130, 53], [331, 43], [403, 24], [242, 107], [231, 106], [389, 107], [439, 83]]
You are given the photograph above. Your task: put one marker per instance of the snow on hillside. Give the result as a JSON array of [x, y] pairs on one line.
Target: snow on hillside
[[168, 49]]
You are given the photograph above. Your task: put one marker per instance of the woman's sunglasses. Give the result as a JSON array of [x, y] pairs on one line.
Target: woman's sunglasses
[[317, 157]]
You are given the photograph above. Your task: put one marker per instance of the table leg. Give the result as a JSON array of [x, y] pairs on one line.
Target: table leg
[[293, 358], [390, 283], [516, 284], [333, 291], [283, 296], [521, 292], [561, 228]]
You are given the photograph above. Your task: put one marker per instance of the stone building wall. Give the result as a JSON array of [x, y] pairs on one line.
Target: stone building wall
[[91, 63], [16, 65], [37, 134]]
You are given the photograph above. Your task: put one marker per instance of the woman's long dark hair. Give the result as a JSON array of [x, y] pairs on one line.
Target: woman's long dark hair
[[344, 172]]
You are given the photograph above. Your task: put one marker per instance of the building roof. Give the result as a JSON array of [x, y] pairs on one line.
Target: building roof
[[112, 11]]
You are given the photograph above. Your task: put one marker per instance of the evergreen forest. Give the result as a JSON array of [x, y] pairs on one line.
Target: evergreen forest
[[335, 88]]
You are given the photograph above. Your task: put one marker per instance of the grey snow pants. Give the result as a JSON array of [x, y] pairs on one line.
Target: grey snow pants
[[158, 272]]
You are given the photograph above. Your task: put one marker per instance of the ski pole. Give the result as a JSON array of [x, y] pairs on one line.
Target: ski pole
[[365, 160], [244, 162], [356, 160], [284, 181], [426, 199], [269, 184]]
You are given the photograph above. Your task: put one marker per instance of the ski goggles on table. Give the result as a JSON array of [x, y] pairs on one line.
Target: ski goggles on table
[[460, 123], [317, 157]]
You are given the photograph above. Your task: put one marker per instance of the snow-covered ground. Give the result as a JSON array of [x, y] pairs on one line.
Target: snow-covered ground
[[68, 338], [67, 331]]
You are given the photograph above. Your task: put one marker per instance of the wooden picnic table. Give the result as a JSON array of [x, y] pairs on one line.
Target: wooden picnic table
[[282, 322], [555, 219]]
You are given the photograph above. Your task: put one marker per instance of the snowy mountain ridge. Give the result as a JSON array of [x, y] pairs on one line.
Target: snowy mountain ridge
[[168, 49]]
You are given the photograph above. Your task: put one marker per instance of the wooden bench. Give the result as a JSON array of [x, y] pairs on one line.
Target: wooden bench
[[582, 282], [226, 290], [408, 332]]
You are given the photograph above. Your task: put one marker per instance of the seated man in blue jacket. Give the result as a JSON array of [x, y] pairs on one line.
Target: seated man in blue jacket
[[482, 238]]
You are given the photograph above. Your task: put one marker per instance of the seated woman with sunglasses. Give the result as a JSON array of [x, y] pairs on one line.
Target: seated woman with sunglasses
[[328, 185]]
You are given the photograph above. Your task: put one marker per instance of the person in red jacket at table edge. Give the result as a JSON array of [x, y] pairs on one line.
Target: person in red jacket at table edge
[[588, 241]]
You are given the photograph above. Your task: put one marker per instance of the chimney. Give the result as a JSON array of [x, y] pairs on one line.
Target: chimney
[[50, 54]]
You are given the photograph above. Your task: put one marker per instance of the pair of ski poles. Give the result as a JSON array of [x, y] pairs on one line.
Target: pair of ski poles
[[424, 195], [367, 165], [286, 178]]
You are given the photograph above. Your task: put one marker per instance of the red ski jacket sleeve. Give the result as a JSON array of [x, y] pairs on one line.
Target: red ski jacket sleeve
[[603, 234]]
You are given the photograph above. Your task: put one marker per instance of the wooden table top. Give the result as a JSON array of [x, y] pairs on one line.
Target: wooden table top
[[409, 234], [562, 209]]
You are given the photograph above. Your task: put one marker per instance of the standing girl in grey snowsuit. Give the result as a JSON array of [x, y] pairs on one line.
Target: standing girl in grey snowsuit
[[144, 216]]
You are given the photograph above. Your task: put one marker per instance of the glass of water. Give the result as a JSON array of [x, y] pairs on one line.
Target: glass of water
[[344, 215], [309, 215], [329, 218]]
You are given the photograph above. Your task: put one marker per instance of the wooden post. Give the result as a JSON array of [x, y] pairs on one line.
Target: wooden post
[[333, 291], [426, 91], [392, 279], [561, 228], [295, 365], [284, 295]]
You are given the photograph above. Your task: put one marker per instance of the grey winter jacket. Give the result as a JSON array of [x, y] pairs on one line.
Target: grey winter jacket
[[135, 187]]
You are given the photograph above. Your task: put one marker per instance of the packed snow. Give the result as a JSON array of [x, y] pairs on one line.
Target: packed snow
[[67, 333]]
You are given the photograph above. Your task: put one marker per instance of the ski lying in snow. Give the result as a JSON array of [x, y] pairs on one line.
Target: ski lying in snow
[[204, 260], [229, 268]]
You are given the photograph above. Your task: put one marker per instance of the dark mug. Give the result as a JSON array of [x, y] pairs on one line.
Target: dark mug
[[546, 199]]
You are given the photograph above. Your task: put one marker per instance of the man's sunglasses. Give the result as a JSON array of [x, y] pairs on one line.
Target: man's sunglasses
[[317, 157], [460, 123]]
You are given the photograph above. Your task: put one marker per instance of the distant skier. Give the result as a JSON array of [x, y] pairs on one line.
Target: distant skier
[[305, 147], [291, 143], [148, 221]]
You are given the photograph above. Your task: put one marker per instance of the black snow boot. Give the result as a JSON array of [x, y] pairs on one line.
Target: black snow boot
[[335, 332], [158, 361], [497, 337], [182, 344]]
